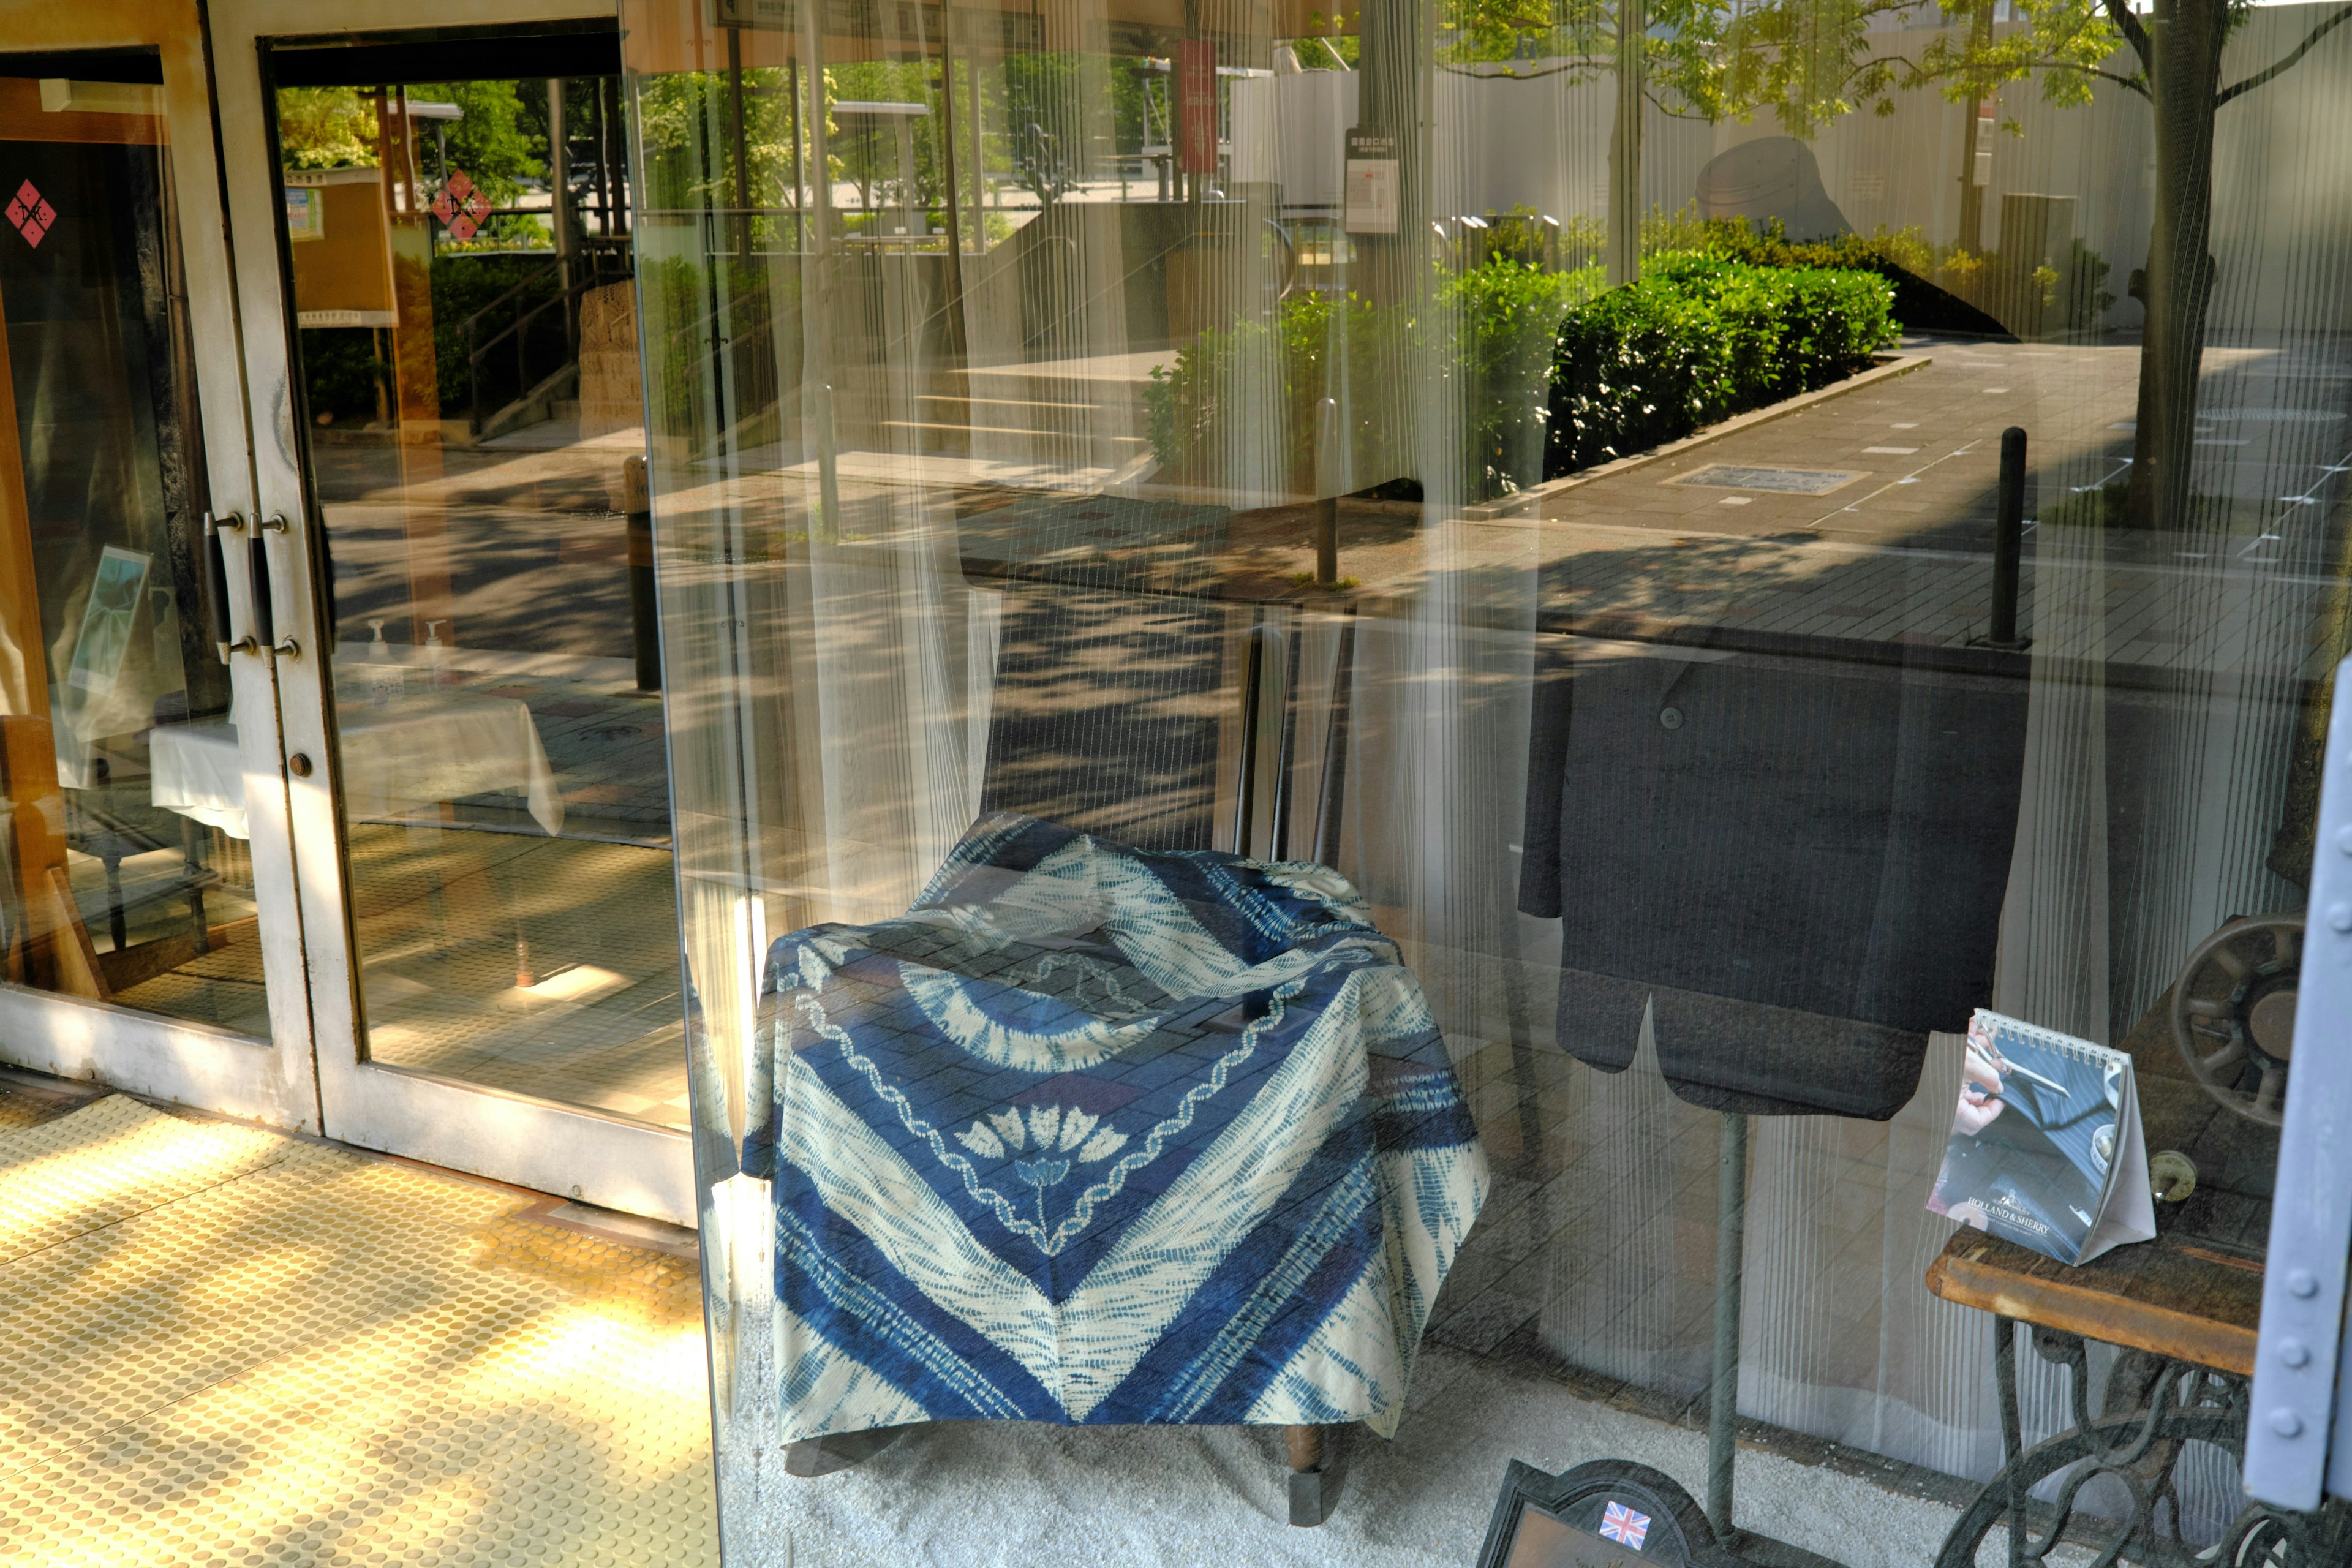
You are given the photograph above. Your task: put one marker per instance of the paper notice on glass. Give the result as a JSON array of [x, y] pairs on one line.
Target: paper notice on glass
[[2046, 1148], [1372, 185]]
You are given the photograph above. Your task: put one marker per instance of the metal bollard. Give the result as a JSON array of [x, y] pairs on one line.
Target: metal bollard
[[645, 631], [1326, 484], [2008, 541]]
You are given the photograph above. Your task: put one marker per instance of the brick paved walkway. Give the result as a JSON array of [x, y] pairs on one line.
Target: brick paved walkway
[[1900, 551]]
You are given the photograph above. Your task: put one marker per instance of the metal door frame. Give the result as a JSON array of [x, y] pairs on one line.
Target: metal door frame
[[275, 1080], [542, 1144]]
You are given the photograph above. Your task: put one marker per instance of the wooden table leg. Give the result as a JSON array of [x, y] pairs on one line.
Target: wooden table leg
[[1313, 1489]]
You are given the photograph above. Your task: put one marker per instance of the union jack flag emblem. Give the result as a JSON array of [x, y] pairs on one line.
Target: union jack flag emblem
[[1622, 1524]]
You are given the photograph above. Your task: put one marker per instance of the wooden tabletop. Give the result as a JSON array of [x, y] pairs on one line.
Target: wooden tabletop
[[2196, 1291]]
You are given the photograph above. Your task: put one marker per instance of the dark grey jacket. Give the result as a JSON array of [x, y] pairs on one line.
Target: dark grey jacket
[[1801, 856]]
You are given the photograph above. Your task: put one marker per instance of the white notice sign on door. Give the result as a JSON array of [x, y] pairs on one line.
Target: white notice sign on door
[[1371, 200]]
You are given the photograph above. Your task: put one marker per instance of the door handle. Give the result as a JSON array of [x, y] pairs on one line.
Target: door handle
[[216, 606], [265, 610], [257, 570]]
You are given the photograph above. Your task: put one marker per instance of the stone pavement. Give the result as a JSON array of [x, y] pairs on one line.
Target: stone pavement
[[228, 1346], [1869, 516]]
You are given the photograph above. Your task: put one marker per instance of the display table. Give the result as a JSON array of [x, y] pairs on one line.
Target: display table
[[2182, 1309], [2184, 1316], [1093, 1135], [417, 750]]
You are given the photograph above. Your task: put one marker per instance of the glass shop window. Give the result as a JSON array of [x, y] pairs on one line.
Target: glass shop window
[[1359, 704]]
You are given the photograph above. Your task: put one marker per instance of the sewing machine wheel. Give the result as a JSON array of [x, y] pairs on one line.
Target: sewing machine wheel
[[2233, 1013]]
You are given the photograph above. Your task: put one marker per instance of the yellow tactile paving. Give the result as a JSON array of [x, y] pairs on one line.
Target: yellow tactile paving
[[332, 1359], [112, 1160]]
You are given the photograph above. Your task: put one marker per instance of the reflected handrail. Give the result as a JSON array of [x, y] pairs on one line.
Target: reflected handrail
[[602, 271]]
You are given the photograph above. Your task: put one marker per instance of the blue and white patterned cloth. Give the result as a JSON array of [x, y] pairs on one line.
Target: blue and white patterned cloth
[[1100, 1134]]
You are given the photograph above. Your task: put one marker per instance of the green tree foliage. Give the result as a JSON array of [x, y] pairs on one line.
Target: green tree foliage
[[325, 128], [865, 147], [501, 140], [496, 140], [686, 131]]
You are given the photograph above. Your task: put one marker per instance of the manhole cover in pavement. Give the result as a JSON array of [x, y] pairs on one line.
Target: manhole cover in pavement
[[1787, 481]]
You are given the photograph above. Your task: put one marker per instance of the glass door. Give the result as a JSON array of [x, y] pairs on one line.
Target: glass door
[[147, 933], [450, 366]]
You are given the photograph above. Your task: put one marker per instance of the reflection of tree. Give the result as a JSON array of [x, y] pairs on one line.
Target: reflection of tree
[[2178, 56], [325, 128], [865, 147], [689, 164], [494, 140], [497, 145], [1811, 62]]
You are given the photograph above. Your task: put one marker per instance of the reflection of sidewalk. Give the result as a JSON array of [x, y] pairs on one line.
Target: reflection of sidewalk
[[226, 1345], [1894, 544]]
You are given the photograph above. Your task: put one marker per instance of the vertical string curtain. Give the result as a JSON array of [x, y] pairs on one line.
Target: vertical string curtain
[[837, 667]]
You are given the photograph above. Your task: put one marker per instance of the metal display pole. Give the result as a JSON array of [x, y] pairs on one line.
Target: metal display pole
[[1730, 1262], [1723, 1395]]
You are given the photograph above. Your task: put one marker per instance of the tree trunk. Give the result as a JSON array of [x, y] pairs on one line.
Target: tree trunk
[[1971, 194], [1625, 148], [2179, 282]]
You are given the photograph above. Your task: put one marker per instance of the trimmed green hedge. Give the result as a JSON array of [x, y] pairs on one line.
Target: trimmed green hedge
[[1487, 331], [1699, 338], [1549, 374]]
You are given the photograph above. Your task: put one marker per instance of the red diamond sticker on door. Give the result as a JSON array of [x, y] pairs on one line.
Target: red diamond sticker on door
[[29, 215], [460, 206]]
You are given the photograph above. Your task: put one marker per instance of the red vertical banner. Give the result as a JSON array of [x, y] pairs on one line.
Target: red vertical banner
[[1196, 106]]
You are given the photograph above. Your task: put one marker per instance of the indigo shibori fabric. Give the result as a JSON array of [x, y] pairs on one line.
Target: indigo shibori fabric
[[1099, 1134]]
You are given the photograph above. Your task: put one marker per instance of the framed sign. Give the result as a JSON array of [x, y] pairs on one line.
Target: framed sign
[[1610, 1513], [1371, 203]]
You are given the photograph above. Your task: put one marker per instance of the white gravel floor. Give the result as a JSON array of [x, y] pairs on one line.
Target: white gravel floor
[[974, 1493]]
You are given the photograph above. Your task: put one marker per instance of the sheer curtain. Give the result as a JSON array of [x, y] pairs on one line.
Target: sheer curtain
[[933, 539]]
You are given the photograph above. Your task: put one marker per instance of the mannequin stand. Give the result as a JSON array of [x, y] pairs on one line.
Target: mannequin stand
[[1723, 1394]]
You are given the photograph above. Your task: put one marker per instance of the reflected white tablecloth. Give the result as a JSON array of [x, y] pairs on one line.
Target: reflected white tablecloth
[[417, 750]]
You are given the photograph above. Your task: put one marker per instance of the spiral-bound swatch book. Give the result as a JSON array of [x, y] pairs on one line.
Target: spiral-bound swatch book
[[2046, 1148]]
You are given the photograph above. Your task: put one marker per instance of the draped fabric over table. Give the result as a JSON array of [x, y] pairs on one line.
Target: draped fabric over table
[[1099, 1134]]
